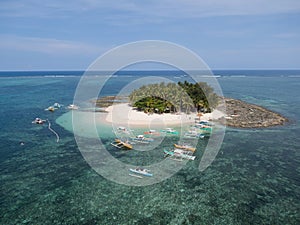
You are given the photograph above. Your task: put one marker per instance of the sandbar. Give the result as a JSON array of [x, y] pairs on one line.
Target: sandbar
[[124, 114]]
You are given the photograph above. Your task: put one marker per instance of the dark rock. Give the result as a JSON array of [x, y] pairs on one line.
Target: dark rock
[[245, 115]]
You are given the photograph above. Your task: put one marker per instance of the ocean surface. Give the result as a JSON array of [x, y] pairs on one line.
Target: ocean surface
[[255, 178]]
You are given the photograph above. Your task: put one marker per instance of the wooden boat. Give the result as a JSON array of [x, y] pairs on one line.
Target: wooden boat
[[185, 147], [53, 107], [50, 108], [141, 171], [121, 144]]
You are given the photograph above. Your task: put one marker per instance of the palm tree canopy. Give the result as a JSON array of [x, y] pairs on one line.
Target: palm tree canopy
[[172, 97]]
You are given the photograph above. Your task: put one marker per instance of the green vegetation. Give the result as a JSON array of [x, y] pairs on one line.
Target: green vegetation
[[172, 97], [106, 101]]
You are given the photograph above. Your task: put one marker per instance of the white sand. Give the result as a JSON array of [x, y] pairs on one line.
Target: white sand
[[216, 114], [123, 114]]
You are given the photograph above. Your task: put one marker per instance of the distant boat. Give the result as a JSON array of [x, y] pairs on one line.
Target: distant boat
[[152, 132], [57, 105], [73, 107], [53, 107], [142, 139], [204, 124], [179, 154], [123, 130], [206, 129], [50, 108], [193, 134], [141, 171], [38, 121], [170, 131], [185, 147]]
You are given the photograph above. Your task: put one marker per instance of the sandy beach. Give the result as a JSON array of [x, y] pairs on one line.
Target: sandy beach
[[123, 114]]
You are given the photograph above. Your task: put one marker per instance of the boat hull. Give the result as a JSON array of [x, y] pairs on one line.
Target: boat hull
[[141, 172]]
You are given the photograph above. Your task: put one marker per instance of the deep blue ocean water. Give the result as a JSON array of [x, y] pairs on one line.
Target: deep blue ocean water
[[254, 179]]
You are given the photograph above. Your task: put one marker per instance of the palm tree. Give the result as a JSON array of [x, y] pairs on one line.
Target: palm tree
[[174, 97]]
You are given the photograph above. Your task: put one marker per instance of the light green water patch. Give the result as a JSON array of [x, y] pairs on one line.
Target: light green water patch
[[92, 125], [83, 124]]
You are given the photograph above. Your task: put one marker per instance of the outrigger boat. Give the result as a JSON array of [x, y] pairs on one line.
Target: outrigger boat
[[170, 131], [142, 139], [141, 171], [123, 130], [121, 144], [50, 108], [206, 129], [53, 107], [38, 121], [152, 132], [73, 107], [185, 147], [179, 154], [193, 134], [204, 125]]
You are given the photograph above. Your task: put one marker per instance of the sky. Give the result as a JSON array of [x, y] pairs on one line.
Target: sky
[[226, 34]]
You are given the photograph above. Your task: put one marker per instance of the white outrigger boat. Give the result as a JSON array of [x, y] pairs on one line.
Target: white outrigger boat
[[38, 121], [169, 131], [152, 132], [140, 171], [73, 107], [179, 154], [193, 134], [204, 126], [142, 139], [123, 130]]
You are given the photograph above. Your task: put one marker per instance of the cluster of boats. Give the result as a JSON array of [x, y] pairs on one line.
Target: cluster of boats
[[149, 132], [199, 130], [179, 152], [52, 108], [56, 106], [128, 142]]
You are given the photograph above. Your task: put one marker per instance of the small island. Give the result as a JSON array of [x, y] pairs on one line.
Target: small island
[[182, 103]]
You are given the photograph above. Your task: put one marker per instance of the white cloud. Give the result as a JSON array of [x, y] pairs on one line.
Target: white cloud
[[202, 8], [150, 9], [287, 35], [46, 45]]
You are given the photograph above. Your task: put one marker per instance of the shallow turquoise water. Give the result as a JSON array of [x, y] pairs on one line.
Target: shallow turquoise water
[[253, 180]]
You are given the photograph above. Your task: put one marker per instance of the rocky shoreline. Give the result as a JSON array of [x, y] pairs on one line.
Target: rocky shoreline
[[241, 114]]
